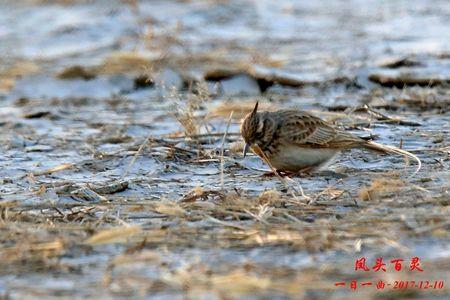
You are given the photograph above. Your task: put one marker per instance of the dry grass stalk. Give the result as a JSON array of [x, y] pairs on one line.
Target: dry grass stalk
[[125, 62], [222, 145], [169, 208], [32, 251], [145, 256], [89, 195], [53, 170], [239, 282], [263, 214], [10, 72], [284, 180], [380, 188], [239, 108], [198, 193], [270, 196], [186, 115], [140, 150], [113, 235]]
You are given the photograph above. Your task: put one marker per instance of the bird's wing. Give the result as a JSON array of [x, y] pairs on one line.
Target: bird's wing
[[307, 130]]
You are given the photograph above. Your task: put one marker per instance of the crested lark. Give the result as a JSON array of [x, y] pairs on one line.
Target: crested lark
[[294, 141]]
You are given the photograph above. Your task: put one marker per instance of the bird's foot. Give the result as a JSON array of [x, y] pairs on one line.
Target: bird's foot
[[289, 174], [268, 174], [304, 173], [272, 174], [307, 172]]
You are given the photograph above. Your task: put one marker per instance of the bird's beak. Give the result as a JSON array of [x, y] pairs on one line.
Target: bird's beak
[[246, 149]]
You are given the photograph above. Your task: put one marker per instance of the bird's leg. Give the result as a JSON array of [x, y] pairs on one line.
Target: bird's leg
[[288, 173], [272, 173], [304, 172], [284, 174]]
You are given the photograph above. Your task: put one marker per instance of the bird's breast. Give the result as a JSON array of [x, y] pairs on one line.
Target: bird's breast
[[293, 158]]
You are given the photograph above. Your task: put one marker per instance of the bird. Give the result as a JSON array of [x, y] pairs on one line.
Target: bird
[[295, 141]]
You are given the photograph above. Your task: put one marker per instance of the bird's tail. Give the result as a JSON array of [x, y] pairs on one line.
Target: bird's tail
[[390, 149]]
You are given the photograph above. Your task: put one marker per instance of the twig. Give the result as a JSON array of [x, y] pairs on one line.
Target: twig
[[382, 117], [168, 144], [222, 150], [141, 148], [203, 135], [325, 191]]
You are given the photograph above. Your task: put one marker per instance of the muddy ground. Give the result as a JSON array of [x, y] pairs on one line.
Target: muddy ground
[[121, 172]]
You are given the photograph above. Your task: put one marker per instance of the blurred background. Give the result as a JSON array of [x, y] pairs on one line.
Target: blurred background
[[311, 42]]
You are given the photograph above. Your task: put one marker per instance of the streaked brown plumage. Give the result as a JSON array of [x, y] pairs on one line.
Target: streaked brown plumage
[[295, 141]]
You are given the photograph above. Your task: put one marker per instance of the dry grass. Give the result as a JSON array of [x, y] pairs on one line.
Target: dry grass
[[425, 98], [381, 188], [125, 62], [240, 108], [211, 219], [113, 235], [9, 73], [186, 110]]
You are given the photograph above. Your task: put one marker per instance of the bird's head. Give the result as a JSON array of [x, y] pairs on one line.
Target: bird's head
[[251, 128]]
